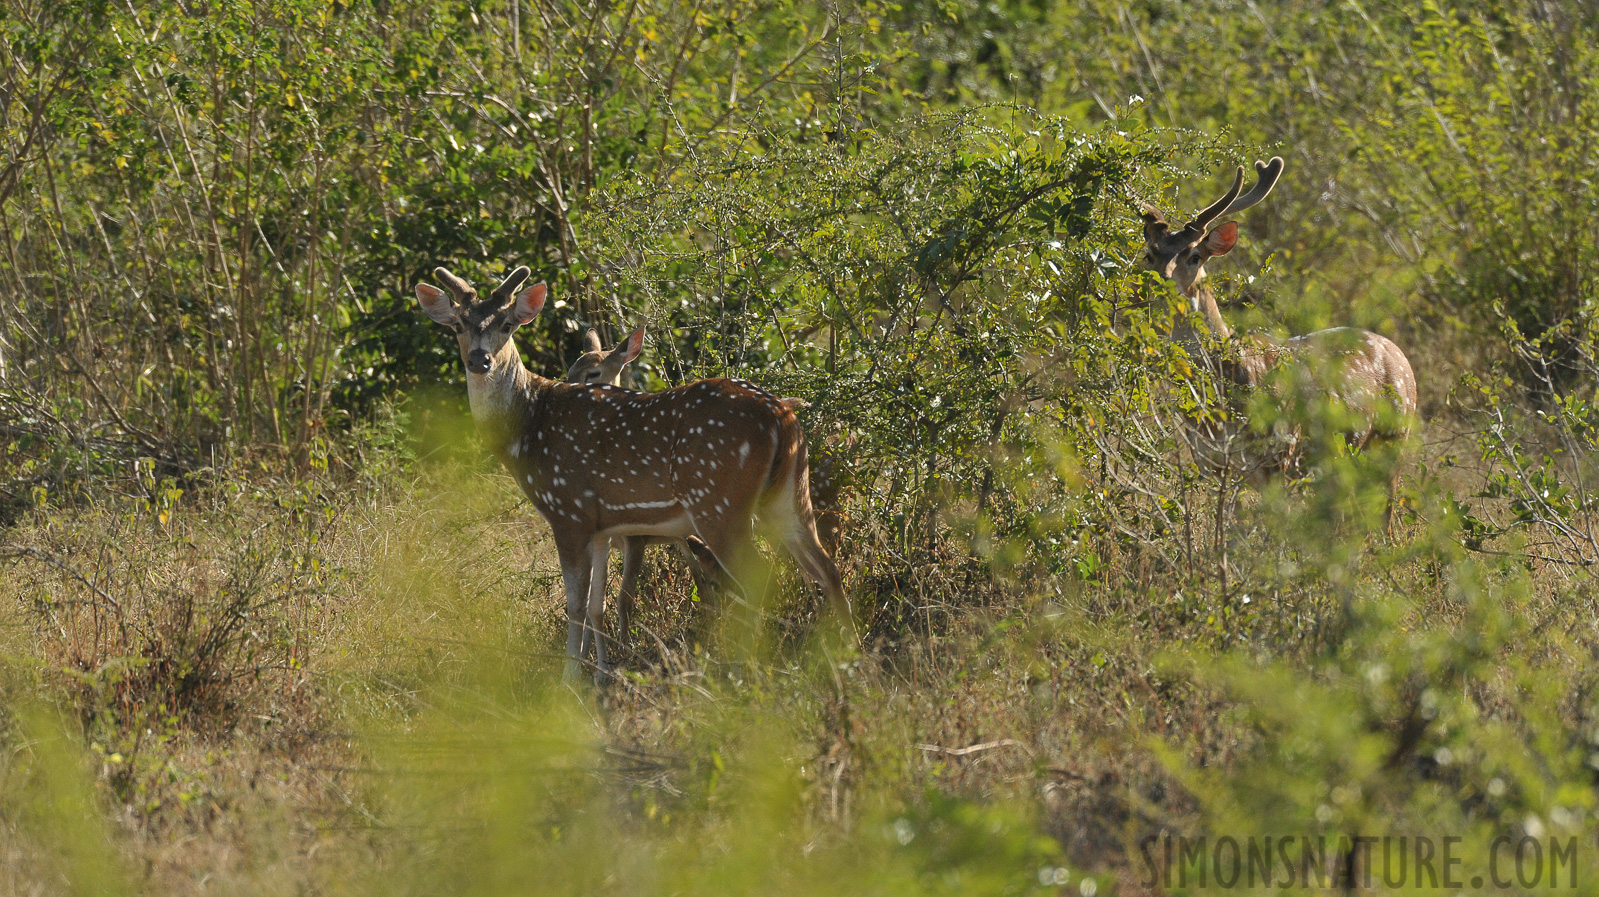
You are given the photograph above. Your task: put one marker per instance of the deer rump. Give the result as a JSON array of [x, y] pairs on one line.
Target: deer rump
[[1364, 374]]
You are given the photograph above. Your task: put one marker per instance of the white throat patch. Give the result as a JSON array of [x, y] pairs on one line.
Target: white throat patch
[[491, 395]]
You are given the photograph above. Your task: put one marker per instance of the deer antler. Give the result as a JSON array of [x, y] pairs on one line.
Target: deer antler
[[502, 293], [1218, 208], [463, 291], [1266, 175]]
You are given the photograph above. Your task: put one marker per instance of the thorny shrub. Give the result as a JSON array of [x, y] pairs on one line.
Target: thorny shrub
[[150, 621]]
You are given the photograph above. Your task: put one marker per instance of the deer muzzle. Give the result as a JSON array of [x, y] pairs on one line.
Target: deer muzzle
[[478, 361]]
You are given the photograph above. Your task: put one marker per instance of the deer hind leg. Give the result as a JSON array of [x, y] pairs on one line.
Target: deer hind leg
[[794, 522], [1400, 454], [1388, 509], [806, 547]]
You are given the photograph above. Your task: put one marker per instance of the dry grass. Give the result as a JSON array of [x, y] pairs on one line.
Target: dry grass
[[251, 773], [267, 685]]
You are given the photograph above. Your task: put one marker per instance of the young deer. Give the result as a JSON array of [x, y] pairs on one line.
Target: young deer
[[598, 366], [599, 462], [1364, 371]]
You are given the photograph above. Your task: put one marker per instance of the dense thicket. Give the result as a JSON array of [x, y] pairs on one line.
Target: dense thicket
[[214, 214]]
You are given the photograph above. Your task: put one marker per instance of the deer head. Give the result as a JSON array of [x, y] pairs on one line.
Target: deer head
[[596, 365], [483, 327], [1180, 255]]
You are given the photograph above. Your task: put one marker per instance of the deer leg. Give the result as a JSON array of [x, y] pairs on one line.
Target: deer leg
[[632, 564], [807, 550], [575, 569], [594, 611], [1388, 509], [796, 525]]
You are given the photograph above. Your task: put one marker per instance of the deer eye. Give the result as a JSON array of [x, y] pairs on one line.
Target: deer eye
[[1193, 258]]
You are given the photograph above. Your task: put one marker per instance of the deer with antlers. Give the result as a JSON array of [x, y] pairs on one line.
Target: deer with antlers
[[599, 462], [1364, 371], [597, 365]]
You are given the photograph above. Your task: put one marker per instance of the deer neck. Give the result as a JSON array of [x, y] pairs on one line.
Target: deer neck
[[502, 400], [1202, 300]]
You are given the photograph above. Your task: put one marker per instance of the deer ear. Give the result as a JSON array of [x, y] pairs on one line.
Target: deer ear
[[591, 342], [631, 346], [437, 304], [529, 303], [1154, 222], [1222, 240]]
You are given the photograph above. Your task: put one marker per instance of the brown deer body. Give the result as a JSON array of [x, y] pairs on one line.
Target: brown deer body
[[598, 366], [600, 462], [1364, 371]]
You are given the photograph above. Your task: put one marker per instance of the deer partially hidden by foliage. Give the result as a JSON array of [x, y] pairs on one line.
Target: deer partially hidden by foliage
[[1364, 372], [598, 365], [599, 462]]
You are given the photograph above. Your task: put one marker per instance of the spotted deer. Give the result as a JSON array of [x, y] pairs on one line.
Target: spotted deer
[[1366, 372], [600, 366], [600, 462], [596, 365]]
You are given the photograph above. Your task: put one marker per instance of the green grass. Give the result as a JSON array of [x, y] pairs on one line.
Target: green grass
[[399, 726]]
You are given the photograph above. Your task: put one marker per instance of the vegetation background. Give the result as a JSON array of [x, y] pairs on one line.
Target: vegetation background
[[271, 622]]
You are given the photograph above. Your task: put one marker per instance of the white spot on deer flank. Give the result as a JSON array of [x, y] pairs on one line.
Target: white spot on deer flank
[[744, 452]]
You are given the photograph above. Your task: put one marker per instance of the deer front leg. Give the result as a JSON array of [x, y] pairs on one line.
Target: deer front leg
[[632, 564], [594, 612], [1388, 508]]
